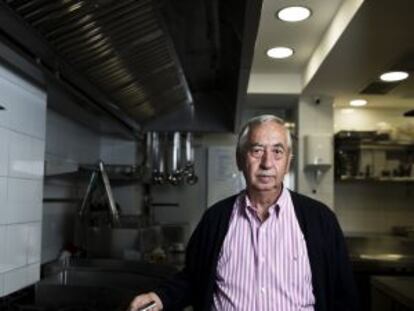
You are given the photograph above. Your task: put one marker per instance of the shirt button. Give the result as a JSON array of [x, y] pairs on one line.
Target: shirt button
[[263, 290]]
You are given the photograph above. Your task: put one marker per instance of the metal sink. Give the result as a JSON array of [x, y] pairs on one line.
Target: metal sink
[[98, 284]]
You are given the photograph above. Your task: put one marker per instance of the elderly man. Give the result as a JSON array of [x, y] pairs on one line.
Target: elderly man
[[267, 248]]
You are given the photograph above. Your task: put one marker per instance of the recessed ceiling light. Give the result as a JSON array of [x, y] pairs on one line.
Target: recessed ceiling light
[[294, 14], [279, 52], [358, 102], [393, 76]]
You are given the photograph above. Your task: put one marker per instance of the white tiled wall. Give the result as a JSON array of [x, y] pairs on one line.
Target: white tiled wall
[[22, 134], [1, 285], [374, 207], [24, 200], [18, 278], [4, 150]]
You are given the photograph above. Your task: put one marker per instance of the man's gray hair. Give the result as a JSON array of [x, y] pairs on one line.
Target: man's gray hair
[[244, 132]]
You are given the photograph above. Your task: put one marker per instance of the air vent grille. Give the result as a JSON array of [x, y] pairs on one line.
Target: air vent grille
[[379, 87]]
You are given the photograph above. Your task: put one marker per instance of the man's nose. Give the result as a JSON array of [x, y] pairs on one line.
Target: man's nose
[[267, 159]]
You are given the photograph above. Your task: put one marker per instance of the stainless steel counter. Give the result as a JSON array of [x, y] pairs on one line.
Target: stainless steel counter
[[387, 253], [393, 291], [379, 255]]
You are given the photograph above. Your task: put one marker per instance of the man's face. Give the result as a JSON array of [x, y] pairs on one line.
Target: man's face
[[266, 158]]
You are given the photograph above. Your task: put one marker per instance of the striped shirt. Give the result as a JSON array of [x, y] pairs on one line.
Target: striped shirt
[[264, 266]]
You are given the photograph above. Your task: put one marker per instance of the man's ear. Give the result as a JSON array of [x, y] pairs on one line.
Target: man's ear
[[239, 160], [289, 162]]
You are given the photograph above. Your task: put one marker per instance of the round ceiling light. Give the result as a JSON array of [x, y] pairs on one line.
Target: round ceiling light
[[358, 102], [294, 14], [279, 52], [394, 76]]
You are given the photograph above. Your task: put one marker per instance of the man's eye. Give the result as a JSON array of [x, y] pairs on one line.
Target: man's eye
[[278, 151], [256, 151]]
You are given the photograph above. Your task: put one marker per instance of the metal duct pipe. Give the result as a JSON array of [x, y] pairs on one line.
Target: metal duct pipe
[[175, 175], [189, 160], [157, 159]]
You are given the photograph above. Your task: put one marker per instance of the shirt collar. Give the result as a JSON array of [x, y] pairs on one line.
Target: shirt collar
[[275, 208]]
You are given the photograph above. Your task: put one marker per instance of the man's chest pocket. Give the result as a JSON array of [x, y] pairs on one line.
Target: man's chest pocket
[[298, 267]]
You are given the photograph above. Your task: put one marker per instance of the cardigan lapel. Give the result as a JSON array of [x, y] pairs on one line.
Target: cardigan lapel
[[313, 238]]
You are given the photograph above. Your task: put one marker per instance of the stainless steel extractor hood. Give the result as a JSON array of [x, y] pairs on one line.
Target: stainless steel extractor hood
[[140, 59]]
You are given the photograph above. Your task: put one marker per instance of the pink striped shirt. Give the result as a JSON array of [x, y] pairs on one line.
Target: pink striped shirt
[[264, 266]]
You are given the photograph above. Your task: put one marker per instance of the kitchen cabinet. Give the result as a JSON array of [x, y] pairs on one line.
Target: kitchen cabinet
[[365, 156]]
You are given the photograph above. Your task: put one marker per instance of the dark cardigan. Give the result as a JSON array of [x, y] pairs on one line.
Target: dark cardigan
[[332, 279]]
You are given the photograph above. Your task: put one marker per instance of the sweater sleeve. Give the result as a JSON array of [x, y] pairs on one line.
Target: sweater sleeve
[[177, 292], [194, 284]]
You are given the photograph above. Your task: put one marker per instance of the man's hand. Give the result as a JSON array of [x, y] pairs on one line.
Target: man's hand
[[142, 300]]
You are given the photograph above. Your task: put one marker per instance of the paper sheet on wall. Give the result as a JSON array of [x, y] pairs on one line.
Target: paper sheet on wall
[[224, 179]]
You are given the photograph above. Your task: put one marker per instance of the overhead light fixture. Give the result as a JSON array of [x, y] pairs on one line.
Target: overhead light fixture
[[294, 14], [394, 76], [279, 52], [358, 102]]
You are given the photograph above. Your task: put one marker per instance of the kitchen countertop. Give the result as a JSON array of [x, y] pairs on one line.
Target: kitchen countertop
[[97, 284], [381, 252], [399, 288]]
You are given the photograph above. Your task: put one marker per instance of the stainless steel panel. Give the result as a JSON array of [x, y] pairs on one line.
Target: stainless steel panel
[[122, 46]]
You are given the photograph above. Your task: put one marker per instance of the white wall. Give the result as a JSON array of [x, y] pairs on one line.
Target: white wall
[[22, 135], [369, 119], [373, 207], [123, 152], [315, 119], [68, 144], [192, 199]]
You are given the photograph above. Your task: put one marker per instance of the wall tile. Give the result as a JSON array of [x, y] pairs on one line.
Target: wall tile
[[2, 248], [4, 151], [3, 200], [14, 79], [4, 115], [1, 285], [26, 156], [29, 117], [16, 241], [14, 280], [24, 200], [32, 273], [26, 110], [33, 242]]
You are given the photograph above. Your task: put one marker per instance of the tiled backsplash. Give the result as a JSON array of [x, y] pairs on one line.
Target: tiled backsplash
[[22, 135], [374, 207]]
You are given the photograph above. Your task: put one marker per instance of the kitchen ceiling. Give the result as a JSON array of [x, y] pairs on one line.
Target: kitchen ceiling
[[339, 51], [187, 64]]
